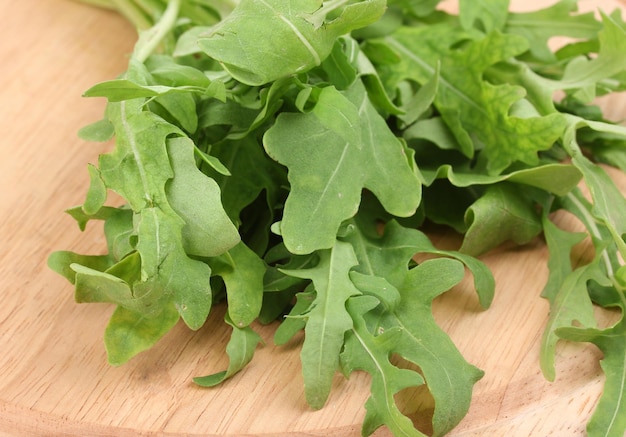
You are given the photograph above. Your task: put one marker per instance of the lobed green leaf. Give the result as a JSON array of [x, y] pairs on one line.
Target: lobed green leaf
[[245, 41], [354, 149], [240, 349], [327, 320]]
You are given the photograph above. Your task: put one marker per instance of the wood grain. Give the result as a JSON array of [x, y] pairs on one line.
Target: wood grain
[[54, 379]]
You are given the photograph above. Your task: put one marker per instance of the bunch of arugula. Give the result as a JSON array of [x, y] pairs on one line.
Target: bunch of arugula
[[283, 155]]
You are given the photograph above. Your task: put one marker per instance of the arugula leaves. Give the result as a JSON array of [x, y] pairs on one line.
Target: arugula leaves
[[245, 41], [333, 152], [282, 156]]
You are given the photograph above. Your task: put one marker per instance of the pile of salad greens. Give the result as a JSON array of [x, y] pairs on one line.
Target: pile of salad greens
[[284, 157]]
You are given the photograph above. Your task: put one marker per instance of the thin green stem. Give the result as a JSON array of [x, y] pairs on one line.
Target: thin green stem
[[150, 39], [152, 7], [105, 4], [591, 225], [133, 13]]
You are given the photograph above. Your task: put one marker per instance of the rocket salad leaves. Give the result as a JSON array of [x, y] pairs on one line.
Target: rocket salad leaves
[[283, 155]]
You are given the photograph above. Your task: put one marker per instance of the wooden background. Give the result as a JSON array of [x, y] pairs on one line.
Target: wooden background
[[54, 379]]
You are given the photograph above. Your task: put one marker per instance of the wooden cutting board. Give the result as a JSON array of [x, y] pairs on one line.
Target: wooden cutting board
[[54, 379]]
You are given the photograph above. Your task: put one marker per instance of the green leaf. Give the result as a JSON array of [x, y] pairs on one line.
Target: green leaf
[[62, 260], [486, 16], [295, 321], [339, 65], [477, 112], [410, 331], [166, 268], [121, 89], [609, 204], [559, 179], [539, 26], [418, 104], [187, 43], [419, 8], [378, 287], [388, 255], [269, 102], [449, 377], [96, 286], [242, 271], [179, 110], [78, 214], [265, 40], [240, 351], [275, 279], [609, 417], [378, 95], [167, 71], [196, 198], [129, 333], [119, 232], [364, 351], [434, 130], [582, 72], [139, 169], [560, 244], [354, 149], [571, 303], [502, 214], [97, 194], [118, 90], [212, 162], [99, 131], [327, 320]]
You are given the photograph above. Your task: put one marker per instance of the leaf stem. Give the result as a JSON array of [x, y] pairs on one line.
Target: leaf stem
[[106, 4], [133, 13], [590, 223], [150, 39]]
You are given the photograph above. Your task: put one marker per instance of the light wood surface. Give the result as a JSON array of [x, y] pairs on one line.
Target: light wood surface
[[54, 379]]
